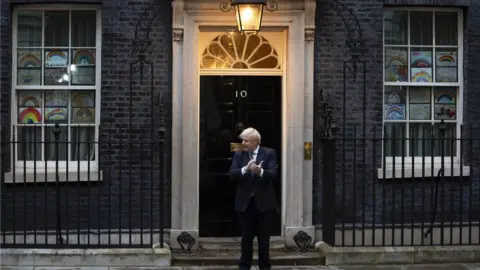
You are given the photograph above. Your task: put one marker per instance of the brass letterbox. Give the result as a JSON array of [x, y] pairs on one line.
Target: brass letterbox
[[307, 151], [236, 147]]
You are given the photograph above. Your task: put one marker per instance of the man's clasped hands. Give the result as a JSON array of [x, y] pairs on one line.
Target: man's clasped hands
[[252, 167]]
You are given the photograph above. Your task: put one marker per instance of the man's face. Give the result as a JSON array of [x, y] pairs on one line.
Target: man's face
[[249, 144]]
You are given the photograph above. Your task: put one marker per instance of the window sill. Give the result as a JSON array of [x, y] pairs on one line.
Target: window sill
[[420, 172], [40, 176]]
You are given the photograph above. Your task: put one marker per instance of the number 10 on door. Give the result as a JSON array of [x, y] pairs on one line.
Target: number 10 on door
[[243, 94]]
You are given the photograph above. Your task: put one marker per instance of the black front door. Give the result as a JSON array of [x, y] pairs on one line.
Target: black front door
[[228, 105]]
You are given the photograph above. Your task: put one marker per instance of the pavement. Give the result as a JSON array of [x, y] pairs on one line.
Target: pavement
[[366, 267]]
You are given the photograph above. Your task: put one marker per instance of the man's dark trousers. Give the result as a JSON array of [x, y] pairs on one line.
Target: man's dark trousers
[[255, 223], [256, 204]]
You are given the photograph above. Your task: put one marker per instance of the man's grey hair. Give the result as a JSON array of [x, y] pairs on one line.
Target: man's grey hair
[[250, 133]]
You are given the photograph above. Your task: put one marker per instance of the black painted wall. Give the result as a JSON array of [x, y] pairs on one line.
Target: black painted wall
[[119, 22], [329, 57], [99, 204]]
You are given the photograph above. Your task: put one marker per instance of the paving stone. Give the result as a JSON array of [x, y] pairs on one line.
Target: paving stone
[[438, 267], [147, 268], [410, 267], [300, 268], [70, 268], [213, 268], [349, 267], [16, 267], [367, 267]]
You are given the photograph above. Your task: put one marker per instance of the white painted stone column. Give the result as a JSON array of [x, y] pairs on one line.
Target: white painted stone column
[[301, 209], [178, 191], [190, 133]]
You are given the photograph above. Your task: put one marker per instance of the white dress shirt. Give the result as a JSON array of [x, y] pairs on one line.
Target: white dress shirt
[[254, 156]]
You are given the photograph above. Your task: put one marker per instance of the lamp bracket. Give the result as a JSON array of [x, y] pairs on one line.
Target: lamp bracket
[[271, 5], [227, 5]]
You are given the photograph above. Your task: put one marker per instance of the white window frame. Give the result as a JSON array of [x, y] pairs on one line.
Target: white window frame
[[422, 166], [71, 166]]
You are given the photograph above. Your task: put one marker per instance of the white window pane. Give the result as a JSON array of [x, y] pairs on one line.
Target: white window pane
[[421, 139], [29, 105], [29, 66], [421, 65], [396, 64], [445, 103], [394, 104], [68, 57], [445, 138], [82, 69], [83, 143], [446, 28], [56, 67], [84, 26], [56, 107], [83, 107], [240, 51], [54, 144], [446, 64], [29, 143], [394, 138], [29, 27], [421, 28], [420, 103], [396, 27], [56, 28]]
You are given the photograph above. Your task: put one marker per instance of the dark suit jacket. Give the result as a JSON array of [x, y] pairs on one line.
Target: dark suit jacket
[[262, 187]]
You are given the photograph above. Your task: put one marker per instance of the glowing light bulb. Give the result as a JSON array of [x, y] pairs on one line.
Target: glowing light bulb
[[246, 14]]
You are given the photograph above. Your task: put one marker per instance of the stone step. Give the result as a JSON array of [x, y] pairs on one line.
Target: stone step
[[399, 255], [234, 244], [231, 257]]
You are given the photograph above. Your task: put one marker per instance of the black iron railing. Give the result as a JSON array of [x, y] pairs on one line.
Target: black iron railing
[[401, 191], [107, 193]]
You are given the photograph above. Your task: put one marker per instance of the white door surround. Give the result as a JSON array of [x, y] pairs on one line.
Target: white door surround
[[297, 19]]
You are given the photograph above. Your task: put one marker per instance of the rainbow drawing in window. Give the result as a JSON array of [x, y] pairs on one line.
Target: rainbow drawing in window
[[421, 59], [446, 59], [420, 111], [421, 74], [83, 57], [29, 60], [29, 115], [394, 111], [55, 114], [83, 99], [30, 102], [56, 58], [83, 115], [29, 98], [446, 74], [56, 98], [445, 95], [397, 69]]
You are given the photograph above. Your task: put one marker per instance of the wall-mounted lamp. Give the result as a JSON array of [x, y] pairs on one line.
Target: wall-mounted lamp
[[249, 12]]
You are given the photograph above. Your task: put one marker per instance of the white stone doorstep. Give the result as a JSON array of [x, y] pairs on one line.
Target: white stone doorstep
[[399, 255], [142, 257], [108, 268]]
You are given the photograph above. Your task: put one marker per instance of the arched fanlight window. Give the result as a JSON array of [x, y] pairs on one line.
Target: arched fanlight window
[[240, 51]]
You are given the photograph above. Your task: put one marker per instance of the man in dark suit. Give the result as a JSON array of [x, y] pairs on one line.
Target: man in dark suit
[[255, 168]]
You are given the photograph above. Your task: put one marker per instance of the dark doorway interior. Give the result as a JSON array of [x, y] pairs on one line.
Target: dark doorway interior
[[229, 104]]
